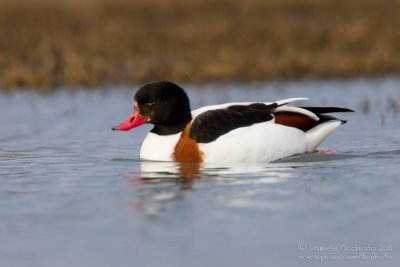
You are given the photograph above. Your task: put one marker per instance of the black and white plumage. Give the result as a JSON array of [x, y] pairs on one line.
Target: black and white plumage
[[226, 133]]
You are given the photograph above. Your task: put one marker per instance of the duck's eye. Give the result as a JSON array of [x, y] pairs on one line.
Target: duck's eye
[[150, 102]]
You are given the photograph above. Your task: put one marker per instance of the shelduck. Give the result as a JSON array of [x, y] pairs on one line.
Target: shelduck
[[225, 133]]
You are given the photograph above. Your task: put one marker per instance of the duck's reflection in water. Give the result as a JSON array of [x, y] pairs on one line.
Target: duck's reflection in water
[[161, 187], [186, 172], [160, 184]]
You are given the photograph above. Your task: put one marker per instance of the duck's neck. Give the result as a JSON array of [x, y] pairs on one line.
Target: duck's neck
[[170, 129]]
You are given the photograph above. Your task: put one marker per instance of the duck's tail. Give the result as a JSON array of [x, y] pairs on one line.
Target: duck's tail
[[326, 125]]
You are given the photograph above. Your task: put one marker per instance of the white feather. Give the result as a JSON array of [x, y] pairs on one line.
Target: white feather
[[298, 110], [290, 100], [159, 147], [318, 134]]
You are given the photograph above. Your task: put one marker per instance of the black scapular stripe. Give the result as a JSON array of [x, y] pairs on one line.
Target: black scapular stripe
[[211, 124]]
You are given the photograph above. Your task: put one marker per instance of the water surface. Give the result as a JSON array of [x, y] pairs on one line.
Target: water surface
[[74, 193]]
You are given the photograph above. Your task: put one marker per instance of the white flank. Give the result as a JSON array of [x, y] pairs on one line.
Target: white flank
[[262, 142]]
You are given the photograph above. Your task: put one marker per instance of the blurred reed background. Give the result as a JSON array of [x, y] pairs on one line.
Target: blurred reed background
[[50, 43]]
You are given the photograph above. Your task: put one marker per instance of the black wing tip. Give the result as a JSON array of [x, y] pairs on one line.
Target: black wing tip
[[346, 110], [324, 110]]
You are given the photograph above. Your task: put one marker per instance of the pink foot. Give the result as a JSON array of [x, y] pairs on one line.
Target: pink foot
[[326, 152]]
